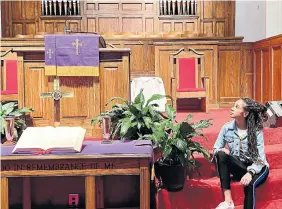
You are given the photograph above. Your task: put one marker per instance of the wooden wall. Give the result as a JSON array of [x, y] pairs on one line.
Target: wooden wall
[[227, 63], [267, 61], [215, 18]]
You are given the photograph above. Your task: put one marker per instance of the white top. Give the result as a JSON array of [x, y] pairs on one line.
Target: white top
[[241, 132]]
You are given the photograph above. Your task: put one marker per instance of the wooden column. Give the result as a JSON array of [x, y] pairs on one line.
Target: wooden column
[[99, 192], [90, 197], [26, 193], [144, 184], [4, 193]]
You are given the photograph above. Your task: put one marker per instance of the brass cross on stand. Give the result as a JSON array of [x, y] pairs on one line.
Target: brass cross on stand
[[50, 53], [56, 95], [77, 44]]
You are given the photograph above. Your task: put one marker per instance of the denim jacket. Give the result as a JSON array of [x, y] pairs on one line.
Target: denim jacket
[[228, 135]]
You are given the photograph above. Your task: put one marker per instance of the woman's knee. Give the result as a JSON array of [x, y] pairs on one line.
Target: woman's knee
[[221, 156]]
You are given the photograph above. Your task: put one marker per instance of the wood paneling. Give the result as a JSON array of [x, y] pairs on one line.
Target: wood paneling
[[234, 73], [277, 72], [217, 18], [229, 73], [90, 94], [130, 24], [108, 24], [19, 17], [35, 83], [227, 62], [267, 69], [213, 17]]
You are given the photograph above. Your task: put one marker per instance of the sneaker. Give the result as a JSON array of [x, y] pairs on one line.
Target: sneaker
[[225, 205]]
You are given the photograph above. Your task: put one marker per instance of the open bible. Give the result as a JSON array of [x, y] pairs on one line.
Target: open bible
[[42, 139]]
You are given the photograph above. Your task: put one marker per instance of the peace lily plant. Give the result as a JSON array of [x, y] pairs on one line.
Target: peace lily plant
[[174, 141], [132, 120], [140, 119]]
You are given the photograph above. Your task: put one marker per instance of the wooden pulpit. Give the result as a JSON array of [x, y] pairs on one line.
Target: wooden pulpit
[[89, 94]]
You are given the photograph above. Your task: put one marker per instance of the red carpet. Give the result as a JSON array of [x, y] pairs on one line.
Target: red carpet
[[203, 192]]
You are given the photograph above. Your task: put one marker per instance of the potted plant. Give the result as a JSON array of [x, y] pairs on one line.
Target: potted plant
[[12, 122], [132, 120], [174, 141]]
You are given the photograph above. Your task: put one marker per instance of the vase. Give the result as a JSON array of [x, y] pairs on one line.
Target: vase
[[10, 130]]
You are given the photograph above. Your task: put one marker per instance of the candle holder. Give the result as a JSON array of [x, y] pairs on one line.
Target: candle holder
[[106, 122]]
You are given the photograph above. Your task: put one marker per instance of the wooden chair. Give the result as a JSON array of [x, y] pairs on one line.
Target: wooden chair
[[187, 77], [9, 68]]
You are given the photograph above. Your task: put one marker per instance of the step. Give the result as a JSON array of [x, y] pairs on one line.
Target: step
[[206, 193], [207, 169], [273, 204]]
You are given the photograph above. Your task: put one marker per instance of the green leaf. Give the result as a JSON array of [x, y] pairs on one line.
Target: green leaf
[[154, 98], [125, 125], [167, 151], [180, 144], [2, 123], [95, 120], [182, 159], [189, 117], [26, 109], [157, 97], [8, 108], [147, 121], [140, 99], [139, 125], [202, 124], [185, 129], [20, 112], [170, 111], [146, 110], [117, 98], [132, 118], [137, 106]]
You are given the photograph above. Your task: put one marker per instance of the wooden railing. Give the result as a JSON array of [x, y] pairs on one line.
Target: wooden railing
[[178, 7], [60, 7], [267, 68]]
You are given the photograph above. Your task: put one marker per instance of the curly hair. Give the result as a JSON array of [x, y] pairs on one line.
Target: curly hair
[[254, 121]]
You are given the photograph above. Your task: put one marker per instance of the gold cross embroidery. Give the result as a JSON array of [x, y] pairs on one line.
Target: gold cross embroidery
[[77, 44], [50, 53]]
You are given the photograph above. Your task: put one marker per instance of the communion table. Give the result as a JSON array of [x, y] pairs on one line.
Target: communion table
[[96, 159]]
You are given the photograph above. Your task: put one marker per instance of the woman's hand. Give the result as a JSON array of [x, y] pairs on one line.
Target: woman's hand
[[246, 179]]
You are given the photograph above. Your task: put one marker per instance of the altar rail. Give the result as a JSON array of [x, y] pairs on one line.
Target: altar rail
[[267, 61]]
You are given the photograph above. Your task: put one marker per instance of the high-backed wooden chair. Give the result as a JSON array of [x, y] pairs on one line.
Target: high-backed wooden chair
[[9, 76], [187, 77]]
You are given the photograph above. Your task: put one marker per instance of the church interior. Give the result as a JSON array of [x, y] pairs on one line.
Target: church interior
[[204, 55]]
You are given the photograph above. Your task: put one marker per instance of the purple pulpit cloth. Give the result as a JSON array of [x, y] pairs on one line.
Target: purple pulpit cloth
[[95, 147], [72, 53]]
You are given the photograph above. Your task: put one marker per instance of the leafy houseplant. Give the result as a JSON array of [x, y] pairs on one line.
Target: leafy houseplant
[[132, 120], [10, 111], [174, 141]]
